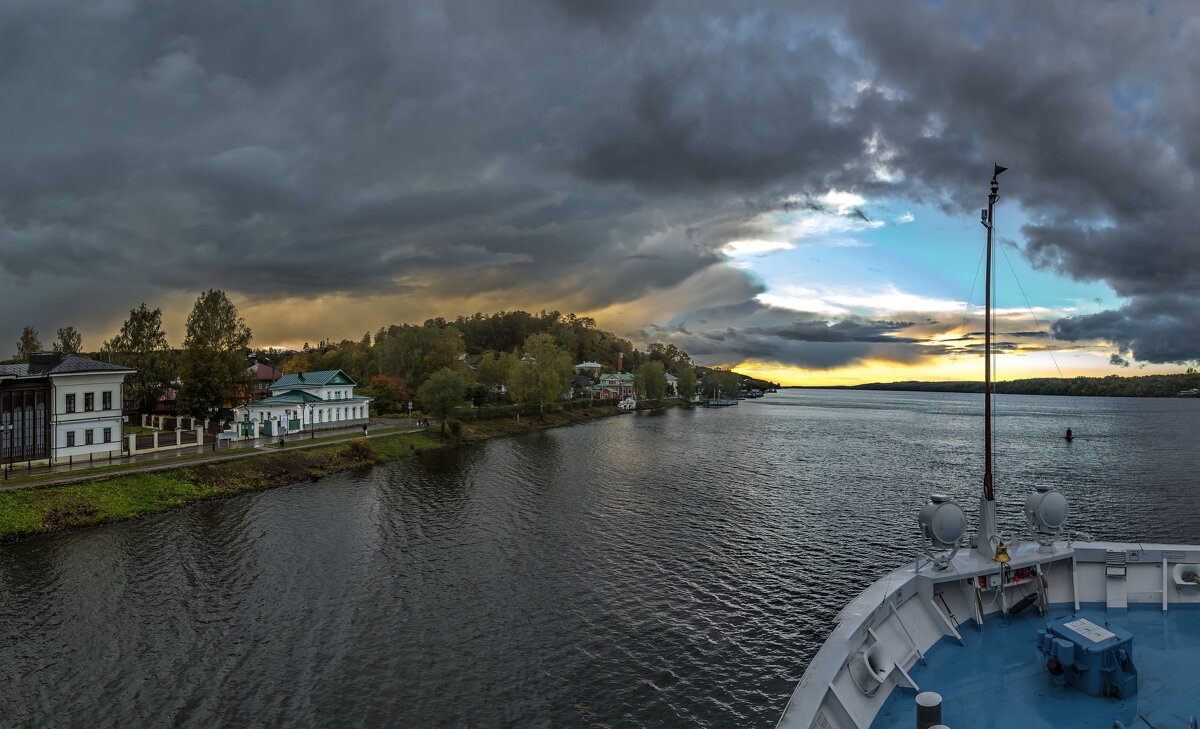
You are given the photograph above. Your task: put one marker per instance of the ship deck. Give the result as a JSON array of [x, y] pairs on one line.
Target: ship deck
[[997, 678]]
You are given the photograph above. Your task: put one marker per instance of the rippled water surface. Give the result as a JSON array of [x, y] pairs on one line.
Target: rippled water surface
[[665, 569]]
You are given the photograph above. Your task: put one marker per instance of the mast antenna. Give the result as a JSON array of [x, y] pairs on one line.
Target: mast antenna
[[989, 542]]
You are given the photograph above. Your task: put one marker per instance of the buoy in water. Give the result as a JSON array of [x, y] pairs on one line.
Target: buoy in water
[[1069, 435]]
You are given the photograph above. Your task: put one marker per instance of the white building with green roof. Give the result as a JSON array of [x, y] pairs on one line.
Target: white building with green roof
[[307, 401]]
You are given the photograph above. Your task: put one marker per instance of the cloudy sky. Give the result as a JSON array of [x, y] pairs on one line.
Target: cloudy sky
[[792, 187]]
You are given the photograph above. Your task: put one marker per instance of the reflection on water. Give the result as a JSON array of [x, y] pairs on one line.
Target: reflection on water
[[667, 569]]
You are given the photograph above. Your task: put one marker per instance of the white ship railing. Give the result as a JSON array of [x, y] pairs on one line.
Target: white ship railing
[[888, 628]]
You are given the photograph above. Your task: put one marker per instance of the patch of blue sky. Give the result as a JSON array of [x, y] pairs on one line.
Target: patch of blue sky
[[914, 249]]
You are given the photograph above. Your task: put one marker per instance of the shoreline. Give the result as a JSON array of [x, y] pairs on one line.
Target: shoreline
[[35, 510]]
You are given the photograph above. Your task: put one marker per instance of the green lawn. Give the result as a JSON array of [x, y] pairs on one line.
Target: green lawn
[[29, 511]]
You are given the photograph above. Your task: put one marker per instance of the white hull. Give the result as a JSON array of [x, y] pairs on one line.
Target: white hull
[[911, 609]]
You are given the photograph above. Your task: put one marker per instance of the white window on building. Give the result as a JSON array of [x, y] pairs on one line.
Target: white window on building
[[70, 437], [108, 435], [87, 437]]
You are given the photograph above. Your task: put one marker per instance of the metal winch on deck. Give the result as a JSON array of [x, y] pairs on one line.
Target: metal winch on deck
[[1097, 660]]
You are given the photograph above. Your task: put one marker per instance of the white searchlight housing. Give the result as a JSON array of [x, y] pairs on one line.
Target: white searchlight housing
[[942, 525], [1046, 510]]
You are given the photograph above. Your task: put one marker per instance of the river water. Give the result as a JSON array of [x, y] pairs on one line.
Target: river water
[[669, 569]]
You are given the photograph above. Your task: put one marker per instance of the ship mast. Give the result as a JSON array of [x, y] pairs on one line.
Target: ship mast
[[988, 538]]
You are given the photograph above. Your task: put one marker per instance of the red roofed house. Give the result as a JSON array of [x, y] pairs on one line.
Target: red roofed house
[[265, 376]]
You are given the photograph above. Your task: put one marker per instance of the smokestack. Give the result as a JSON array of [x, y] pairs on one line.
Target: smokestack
[[620, 360], [45, 358]]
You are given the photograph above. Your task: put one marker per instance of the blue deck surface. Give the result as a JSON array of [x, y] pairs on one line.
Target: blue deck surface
[[998, 680]]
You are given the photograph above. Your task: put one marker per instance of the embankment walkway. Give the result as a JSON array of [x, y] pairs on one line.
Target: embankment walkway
[[196, 455]]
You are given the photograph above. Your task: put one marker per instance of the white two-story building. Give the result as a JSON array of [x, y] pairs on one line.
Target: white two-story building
[[60, 408], [307, 401]]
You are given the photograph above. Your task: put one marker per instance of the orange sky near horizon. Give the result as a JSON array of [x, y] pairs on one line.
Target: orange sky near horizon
[[1071, 363], [269, 319]]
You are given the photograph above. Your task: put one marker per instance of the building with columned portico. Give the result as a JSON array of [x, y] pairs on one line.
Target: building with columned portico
[[304, 401]]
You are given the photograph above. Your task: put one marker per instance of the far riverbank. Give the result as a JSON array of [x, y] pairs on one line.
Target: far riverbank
[[1110, 386]]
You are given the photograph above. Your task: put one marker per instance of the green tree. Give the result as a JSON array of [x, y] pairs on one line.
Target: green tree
[[390, 393], [444, 354], [205, 380], [542, 375], [490, 373], [721, 382], [651, 379], [441, 393], [69, 341], [142, 345], [214, 358], [28, 344], [687, 382]]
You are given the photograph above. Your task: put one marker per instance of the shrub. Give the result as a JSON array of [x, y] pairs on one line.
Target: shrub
[[359, 450], [455, 427]]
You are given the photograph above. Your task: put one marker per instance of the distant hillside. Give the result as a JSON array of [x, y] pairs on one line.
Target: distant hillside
[[1110, 386]]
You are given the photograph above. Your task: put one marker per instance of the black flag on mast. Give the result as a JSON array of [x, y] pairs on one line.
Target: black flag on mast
[[998, 169]]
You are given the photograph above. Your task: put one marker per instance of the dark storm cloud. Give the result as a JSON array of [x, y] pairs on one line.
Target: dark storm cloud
[[609, 15], [1090, 106], [1151, 328], [575, 153], [849, 329], [773, 334]]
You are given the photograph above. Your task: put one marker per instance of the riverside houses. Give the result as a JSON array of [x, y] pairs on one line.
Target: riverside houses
[[307, 401], [618, 385], [60, 407]]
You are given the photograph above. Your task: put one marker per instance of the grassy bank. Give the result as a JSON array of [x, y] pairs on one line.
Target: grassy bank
[[30, 511]]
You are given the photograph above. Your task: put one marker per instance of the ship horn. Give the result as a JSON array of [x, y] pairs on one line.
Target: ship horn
[[1001, 553]]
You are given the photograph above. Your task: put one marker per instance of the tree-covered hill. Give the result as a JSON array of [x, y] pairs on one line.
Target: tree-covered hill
[[1110, 386]]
